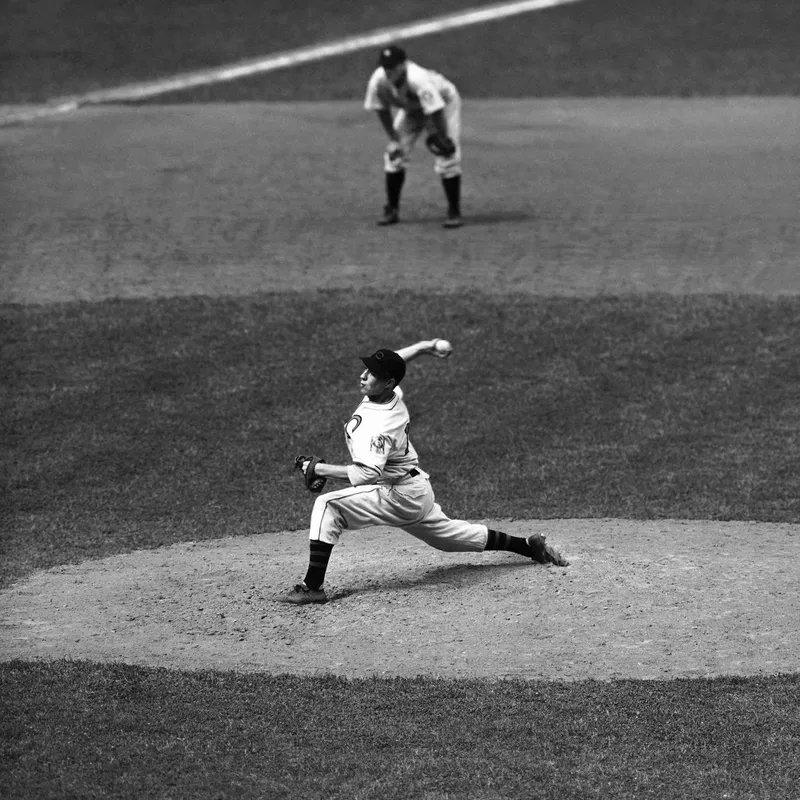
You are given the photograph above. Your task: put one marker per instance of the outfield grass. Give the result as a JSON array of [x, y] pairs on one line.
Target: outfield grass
[[79, 730]]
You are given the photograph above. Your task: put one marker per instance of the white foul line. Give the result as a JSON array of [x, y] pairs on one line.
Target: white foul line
[[289, 58]]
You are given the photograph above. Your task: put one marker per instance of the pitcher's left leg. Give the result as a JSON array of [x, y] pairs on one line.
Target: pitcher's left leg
[[455, 535], [450, 535]]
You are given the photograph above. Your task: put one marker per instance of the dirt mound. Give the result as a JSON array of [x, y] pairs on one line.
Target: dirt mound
[[640, 600]]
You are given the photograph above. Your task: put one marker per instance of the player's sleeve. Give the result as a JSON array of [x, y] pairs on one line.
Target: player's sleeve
[[373, 100], [430, 98], [361, 475]]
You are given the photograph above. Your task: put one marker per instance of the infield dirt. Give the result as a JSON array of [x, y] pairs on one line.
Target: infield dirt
[[561, 197], [639, 600]]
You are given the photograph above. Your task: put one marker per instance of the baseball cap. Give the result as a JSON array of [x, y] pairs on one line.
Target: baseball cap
[[391, 56], [386, 364]]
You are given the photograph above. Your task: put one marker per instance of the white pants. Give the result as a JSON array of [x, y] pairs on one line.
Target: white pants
[[409, 505], [409, 127]]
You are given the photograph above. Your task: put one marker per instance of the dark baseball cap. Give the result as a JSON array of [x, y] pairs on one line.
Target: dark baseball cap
[[391, 56], [386, 364]]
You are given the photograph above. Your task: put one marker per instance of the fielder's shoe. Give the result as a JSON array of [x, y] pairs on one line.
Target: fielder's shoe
[[453, 220], [544, 553], [301, 595], [391, 216]]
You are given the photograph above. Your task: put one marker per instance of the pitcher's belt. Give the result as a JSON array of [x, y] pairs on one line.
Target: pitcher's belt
[[412, 473]]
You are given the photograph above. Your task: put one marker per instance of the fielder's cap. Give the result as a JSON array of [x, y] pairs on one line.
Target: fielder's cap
[[386, 364], [391, 56]]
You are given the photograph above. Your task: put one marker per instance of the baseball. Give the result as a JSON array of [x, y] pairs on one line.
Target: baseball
[[443, 347]]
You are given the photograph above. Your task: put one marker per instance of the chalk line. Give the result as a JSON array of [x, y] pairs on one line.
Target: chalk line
[[290, 58]]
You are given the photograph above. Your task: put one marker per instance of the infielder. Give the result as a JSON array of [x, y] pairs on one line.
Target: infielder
[[410, 100], [387, 487]]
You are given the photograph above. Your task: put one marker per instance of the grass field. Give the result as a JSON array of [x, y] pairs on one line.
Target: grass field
[[592, 48], [572, 424], [270, 737], [141, 422]]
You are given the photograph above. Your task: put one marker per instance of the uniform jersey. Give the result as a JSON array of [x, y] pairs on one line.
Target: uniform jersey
[[377, 438], [423, 91]]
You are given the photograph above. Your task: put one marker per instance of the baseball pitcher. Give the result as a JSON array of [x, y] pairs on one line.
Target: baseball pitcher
[[411, 100], [385, 483]]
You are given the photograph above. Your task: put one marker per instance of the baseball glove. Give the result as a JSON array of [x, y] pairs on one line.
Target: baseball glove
[[314, 482], [442, 146], [394, 151]]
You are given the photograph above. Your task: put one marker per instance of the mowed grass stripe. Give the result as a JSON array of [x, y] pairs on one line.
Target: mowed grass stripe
[[137, 424]]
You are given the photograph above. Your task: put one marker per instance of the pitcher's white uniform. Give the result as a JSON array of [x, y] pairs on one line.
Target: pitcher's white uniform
[[423, 92], [388, 487]]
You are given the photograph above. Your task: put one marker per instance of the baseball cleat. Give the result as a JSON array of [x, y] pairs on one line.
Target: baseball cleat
[[391, 216], [453, 221], [301, 595], [544, 553]]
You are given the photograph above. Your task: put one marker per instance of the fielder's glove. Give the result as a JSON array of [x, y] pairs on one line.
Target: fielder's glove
[[394, 151], [442, 146], [307, 464]]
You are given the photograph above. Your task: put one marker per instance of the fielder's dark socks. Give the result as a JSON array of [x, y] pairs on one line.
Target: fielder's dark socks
[[320, 553], [394, 186], [452, 191], [497, 540]]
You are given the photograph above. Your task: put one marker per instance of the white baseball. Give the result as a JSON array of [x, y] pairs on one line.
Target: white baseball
[[443, 347]]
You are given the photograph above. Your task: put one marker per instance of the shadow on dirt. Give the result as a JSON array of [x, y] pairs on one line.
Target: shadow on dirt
[[453, 574], [498, 218]]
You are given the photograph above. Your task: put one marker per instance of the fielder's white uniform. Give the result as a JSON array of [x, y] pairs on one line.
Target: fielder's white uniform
[[422, 93], [388, 486]]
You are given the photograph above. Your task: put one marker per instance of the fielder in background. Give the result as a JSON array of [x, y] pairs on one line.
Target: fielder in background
[[387, 486], [410, 100]]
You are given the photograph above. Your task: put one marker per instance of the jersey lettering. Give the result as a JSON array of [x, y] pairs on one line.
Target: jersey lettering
[[351, 425]]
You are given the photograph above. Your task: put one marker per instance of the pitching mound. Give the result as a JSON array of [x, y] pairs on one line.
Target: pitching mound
[[641, 599]]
